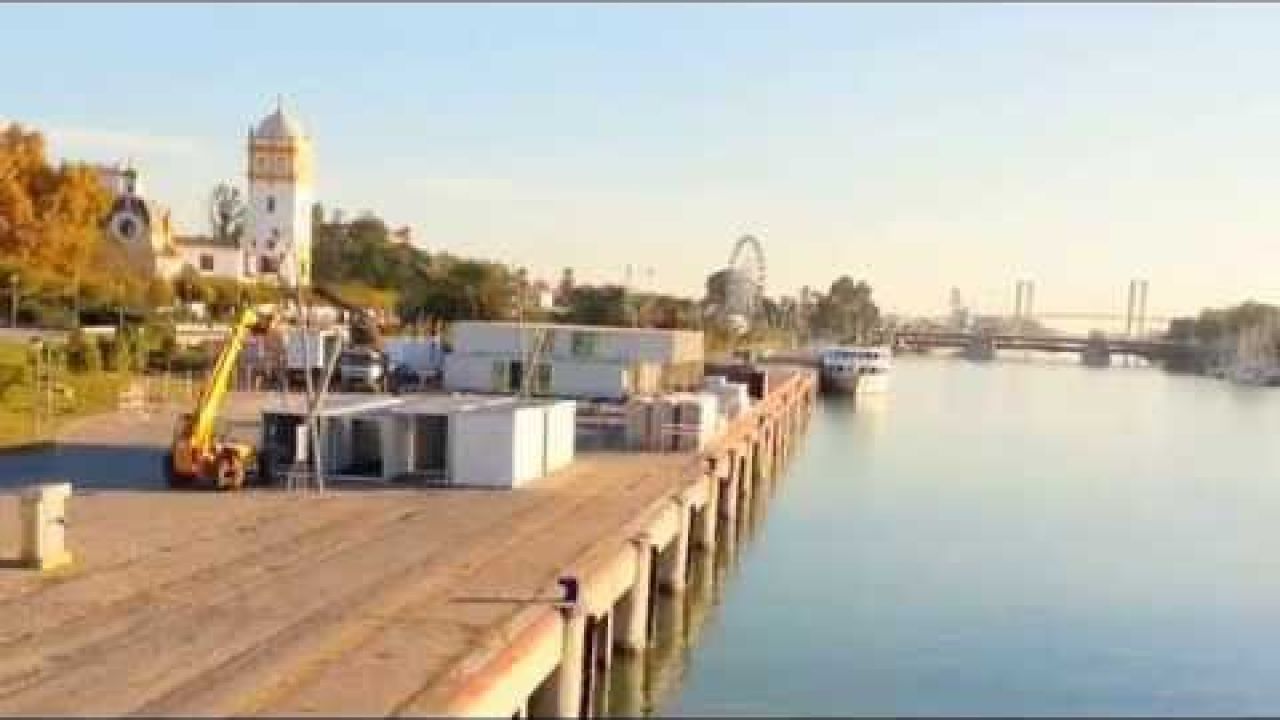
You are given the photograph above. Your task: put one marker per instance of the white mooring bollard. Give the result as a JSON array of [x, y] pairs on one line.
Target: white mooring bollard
[[44, 521]]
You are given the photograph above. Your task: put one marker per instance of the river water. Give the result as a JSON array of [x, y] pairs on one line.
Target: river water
[[1012, 538]]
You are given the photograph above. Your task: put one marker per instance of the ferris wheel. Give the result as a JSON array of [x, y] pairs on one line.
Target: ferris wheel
[[745, 282]]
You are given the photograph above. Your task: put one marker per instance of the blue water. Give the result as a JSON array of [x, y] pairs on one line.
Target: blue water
[[1014, 538]]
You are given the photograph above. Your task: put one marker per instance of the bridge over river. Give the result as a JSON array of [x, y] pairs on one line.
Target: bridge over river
[[1096, 350], [1101, 346]]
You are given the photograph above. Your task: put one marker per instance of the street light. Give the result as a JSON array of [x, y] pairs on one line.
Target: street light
[[13, 300]]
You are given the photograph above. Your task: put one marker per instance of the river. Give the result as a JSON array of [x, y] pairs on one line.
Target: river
[[1012, 538]]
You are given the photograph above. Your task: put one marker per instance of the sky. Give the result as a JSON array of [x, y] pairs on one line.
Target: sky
[[918, 147]]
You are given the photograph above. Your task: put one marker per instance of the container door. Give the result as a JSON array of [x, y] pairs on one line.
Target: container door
[[431, 447], [515, 377], [501, 373], [366, 448]]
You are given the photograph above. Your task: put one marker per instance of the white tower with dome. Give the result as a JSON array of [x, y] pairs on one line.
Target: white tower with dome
[[277, 244]]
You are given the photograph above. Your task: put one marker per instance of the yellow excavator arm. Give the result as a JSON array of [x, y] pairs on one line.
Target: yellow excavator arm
[[214, 393], [197, 453]]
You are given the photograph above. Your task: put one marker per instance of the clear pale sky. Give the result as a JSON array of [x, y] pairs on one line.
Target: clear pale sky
[[919, 147]]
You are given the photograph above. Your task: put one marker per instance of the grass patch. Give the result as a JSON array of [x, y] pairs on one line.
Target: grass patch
[[84, 394]]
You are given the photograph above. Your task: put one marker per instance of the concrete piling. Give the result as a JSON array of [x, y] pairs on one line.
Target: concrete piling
[[675, 560], [705, 537], [569, 676], [633, 610]]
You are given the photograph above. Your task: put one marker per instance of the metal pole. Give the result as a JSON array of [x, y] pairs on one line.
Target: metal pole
[[1017, 306], [1128, 315], [51, 367], [13, 301], [1128, 318], [1142, 310], [37, 356]]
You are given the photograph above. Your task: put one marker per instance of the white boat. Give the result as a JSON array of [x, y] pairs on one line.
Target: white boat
[[859, 369]]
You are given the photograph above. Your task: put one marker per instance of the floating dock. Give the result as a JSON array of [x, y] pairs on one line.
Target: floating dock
[[381, 602]]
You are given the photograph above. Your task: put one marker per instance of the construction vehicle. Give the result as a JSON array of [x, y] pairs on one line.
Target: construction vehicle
[[365, 364], [198, 457], [365, 331]]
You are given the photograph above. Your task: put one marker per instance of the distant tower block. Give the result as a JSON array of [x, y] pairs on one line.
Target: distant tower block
[[278, 241]]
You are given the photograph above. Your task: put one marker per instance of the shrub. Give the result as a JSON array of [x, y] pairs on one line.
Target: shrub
[[121, 358], [83, 353]]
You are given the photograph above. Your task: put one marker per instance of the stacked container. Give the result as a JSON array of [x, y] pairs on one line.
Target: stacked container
[[734, 397]]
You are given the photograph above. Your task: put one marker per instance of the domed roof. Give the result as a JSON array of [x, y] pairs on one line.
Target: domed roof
[[279, 125]]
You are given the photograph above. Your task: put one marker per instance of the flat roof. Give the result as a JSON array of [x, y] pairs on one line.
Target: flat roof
[[417, 404], [334, 404], [590, 328], [466, 402]]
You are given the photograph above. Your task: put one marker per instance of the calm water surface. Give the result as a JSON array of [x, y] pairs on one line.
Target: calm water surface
[[1013, 539]]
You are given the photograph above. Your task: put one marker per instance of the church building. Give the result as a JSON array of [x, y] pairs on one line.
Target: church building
[[275, 246]]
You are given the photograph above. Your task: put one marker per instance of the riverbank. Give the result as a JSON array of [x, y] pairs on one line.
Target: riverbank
[[85, 394]]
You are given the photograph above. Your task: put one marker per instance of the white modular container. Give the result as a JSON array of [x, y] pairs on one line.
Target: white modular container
[[689, 421], [510, 446], [475, 441], [734, 397], [581, 342], [470, 373], [495, 374], [312, 350], [605, 381], [562, 419]]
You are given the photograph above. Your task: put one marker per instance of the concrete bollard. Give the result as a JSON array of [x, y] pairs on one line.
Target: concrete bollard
[[44, 519]]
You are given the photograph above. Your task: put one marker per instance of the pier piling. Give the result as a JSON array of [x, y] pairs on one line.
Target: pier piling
[[633, 609]]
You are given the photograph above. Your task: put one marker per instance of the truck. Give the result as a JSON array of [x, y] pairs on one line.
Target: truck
[[362, 368], [414, 361]]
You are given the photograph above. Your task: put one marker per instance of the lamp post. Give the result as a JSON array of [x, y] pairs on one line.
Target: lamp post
[[13, 300]]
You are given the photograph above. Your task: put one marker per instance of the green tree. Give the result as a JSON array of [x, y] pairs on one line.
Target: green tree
[[227, 214], [847, 312], [598, 305]]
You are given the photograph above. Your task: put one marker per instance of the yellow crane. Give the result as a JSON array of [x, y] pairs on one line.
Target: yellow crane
[[198, 456]]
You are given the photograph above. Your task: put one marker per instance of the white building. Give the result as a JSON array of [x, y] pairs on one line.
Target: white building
[[278, 229], [429, 440], [205, 255], [586, 362]]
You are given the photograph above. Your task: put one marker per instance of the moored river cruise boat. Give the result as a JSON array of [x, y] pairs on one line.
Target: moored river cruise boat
[[859, 369]]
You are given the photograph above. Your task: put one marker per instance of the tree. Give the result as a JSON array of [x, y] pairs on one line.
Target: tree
[[84, 353], [565, 289], [847, 311], [602, 305], [190, 286], [227, 213], [51, 229], [224, 296]]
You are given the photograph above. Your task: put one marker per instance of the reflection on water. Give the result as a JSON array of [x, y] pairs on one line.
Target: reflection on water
[[642, 686], [1002, 539], [646, 685]]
